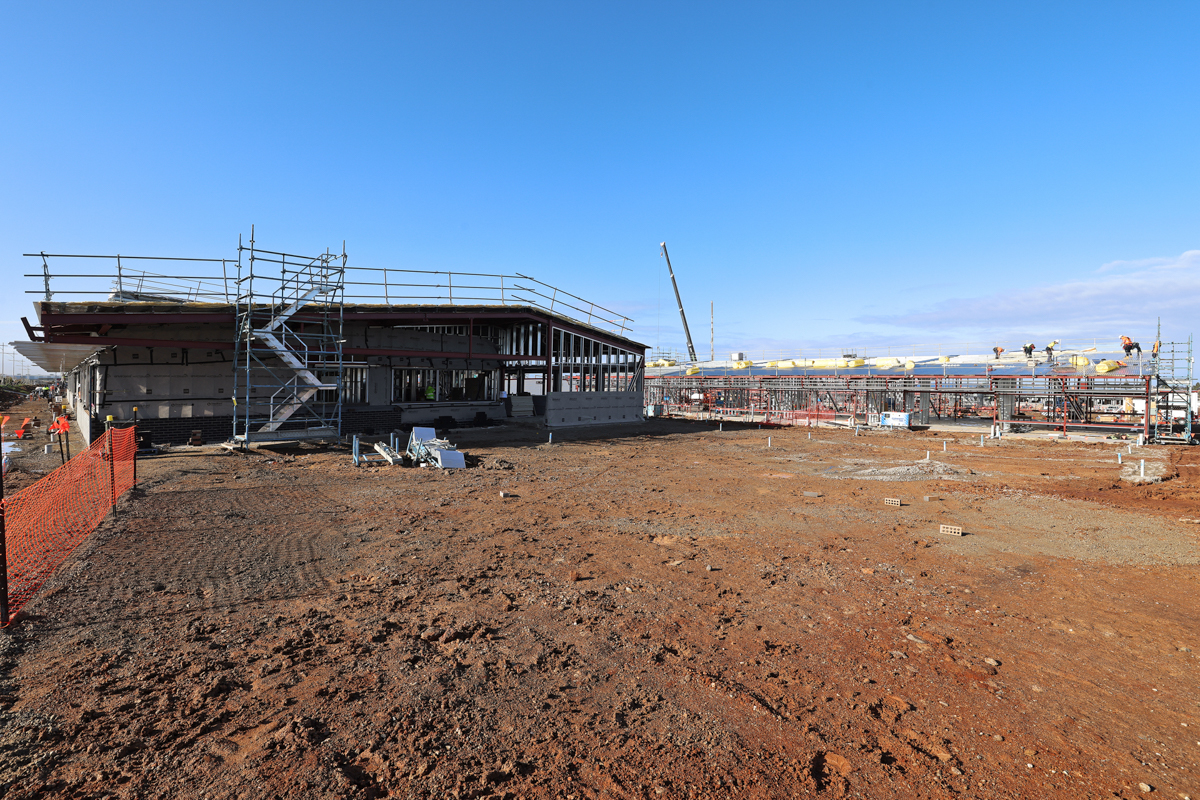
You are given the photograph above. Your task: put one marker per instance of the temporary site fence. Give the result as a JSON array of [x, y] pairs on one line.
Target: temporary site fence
[[41, 525]]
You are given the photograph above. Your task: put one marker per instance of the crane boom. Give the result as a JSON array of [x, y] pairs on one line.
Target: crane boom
[[682, 316]]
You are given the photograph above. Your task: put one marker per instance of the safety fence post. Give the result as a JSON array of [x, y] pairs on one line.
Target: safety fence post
[[135, 445], [112, 470]]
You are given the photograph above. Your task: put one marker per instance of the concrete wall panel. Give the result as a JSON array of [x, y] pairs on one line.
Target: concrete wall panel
[[423, 413], [592, 408]]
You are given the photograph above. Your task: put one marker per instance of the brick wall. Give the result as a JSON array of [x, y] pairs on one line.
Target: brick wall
[[371, 422], [377, 422], [178, 430]]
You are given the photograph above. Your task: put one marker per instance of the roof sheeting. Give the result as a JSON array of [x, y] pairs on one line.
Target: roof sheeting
[[932, 367], [56, 357]]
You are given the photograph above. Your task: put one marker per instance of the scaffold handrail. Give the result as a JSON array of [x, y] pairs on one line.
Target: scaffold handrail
[[361, 284]]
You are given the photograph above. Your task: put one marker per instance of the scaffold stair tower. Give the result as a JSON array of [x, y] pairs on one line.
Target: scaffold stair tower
[[289, 348], [1173, 391]]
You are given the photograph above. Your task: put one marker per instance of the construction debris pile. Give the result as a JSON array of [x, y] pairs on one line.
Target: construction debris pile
[[427, 450], [424, 450]]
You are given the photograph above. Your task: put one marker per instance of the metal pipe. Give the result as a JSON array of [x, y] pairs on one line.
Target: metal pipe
[[141, 258]]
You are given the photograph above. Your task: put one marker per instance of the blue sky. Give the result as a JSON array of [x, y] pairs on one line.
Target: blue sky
[[828, 174]]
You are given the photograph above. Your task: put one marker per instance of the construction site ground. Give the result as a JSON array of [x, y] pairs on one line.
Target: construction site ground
[[660, 610]]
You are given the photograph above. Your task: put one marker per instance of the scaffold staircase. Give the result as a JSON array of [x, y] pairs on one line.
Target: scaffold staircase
[[1173, 391], [289, 348], [273, 336]]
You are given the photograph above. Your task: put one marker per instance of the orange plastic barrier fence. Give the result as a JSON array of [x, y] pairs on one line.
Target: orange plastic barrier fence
[[45, 522]]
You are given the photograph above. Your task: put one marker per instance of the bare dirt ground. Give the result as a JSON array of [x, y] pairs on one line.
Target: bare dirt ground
[[660, 612]]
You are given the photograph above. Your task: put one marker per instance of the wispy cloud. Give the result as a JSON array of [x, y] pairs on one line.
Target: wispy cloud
[[1189, 259], [1124, 297]]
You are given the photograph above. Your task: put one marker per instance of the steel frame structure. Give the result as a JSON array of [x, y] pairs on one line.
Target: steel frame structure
[[1056, 401], [580, 363]]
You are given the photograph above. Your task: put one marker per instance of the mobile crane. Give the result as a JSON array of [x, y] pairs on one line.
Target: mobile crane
[[682, 316]]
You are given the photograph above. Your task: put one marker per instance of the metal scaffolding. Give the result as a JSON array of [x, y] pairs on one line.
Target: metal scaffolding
[[288, 350], [1173, 390]]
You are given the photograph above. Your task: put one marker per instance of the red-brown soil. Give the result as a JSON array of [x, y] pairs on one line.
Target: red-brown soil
[[660, 612]]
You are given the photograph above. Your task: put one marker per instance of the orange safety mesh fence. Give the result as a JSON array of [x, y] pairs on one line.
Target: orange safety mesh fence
[[45, 522], [806, 416]]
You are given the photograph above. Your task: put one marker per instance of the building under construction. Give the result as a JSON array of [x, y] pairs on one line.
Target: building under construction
[[273, 345], [1068, 390]]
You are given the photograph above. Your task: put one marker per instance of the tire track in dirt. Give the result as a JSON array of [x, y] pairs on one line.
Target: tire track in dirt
[[224, 546]]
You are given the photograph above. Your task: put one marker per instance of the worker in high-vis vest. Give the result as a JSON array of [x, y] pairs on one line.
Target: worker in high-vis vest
[[431, 392], [1129, 345]]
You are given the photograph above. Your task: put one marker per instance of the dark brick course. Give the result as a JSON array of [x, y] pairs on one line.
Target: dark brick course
[[178, 430]]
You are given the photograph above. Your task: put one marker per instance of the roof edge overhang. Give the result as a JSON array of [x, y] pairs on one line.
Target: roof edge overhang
[[57, 357], [51, 314]]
